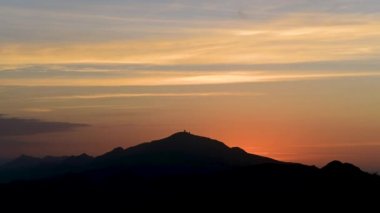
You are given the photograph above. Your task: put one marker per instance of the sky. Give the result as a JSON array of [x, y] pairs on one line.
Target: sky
[[296, 80]]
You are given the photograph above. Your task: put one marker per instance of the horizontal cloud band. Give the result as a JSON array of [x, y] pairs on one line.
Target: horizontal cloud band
[[22, 126]]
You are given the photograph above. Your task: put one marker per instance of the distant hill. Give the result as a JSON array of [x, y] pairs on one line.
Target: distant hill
[[181, 169], [29, 168], [4, 161]]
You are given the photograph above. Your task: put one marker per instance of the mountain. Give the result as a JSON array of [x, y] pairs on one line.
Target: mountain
[[22, 162], [4, 161], [179, 153], [182, 169], [28, 168], [339, 168]]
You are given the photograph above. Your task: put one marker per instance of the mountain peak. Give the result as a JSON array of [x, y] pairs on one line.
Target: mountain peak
[[185, 136], [338, 167], [186, 141], [182, 134], [117, 150], [84, 155]]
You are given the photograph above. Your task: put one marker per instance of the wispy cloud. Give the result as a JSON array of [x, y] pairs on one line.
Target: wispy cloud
[[293, 38], [23, 126], [252, 78], [137, 95], [37, 110], [187, 79], [340, 145]]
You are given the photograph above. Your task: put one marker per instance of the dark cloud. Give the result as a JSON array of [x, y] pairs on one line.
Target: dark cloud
[[21, 126]]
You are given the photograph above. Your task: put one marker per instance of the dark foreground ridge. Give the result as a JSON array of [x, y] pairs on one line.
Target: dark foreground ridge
[[183, 169]]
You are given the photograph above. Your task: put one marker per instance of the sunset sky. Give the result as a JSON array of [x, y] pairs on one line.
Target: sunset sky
[[296, 80]]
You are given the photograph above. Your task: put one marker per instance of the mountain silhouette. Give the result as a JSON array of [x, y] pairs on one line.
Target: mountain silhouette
[[337, 167], [181, 152], [3, 161], [27, 167], [21, 162], [181, 168]]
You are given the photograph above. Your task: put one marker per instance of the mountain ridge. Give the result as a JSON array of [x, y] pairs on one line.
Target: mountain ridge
[[187, 169], [179, 153]]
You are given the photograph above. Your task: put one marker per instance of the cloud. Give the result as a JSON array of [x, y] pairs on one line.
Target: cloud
[[288, 39], [37, 110], [188, 78], [21, 126], [139, 95], [248, 77], [130, 70]]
